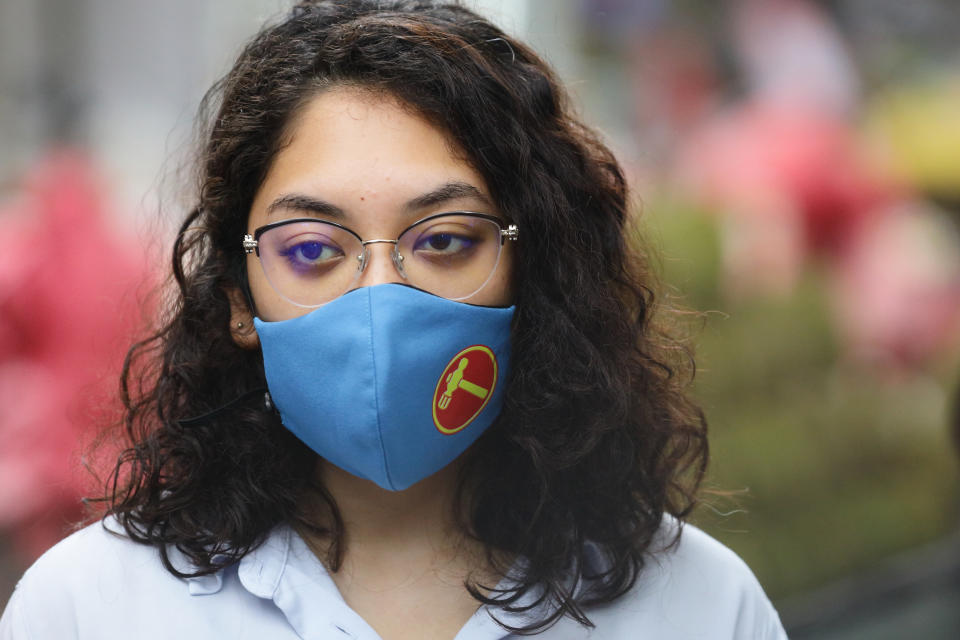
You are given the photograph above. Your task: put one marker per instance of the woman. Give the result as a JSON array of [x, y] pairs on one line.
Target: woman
[[411, 385]]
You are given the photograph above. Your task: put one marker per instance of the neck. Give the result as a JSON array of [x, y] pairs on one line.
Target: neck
[[404, 555], [374, 516], [394, 536]]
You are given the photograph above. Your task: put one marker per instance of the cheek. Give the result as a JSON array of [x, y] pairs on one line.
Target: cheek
[[501, 287], [270, 306]]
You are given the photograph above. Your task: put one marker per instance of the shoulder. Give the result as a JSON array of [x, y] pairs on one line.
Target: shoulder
[[100, 584], [696, 588], [697, 558], [85, 572], [97, 549]]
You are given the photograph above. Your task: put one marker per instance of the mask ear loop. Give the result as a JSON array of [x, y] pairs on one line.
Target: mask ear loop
[[267, 403], [245, 289]]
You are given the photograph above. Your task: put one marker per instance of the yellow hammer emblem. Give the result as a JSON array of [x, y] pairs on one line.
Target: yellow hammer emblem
[[456, 381]]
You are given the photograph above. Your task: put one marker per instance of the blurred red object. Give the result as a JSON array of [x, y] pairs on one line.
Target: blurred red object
[[69, 281], [808, 161], [795, 186], [896, 292], [791, 182]]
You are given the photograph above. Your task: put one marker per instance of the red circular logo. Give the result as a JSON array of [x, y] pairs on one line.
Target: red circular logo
[[464, 388]]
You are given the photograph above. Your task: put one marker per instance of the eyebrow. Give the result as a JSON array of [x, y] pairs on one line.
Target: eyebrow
[[446, 192], [299, 202]]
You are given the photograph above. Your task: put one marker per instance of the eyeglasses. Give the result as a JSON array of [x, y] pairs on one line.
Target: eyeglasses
[[310, 262]]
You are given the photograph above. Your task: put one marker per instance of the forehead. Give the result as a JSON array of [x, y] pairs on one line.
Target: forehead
[[364, 152], [346, 125]]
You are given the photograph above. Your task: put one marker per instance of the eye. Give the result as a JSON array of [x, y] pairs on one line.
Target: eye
[[308, 254], [443, 243]]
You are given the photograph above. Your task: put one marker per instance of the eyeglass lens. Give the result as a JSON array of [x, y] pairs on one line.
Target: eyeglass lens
[[311, 262]]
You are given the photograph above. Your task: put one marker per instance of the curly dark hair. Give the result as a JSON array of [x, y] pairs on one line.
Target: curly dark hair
[[597, 438]]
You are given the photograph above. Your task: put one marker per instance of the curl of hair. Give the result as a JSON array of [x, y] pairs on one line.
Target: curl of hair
[[597, 438]]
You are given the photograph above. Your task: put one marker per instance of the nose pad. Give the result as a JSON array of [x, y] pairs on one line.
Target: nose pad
[[398, 262], [385, 267]]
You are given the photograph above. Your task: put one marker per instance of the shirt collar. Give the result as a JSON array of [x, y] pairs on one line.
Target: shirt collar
[[284, 569], [260, 570], [197, 585]]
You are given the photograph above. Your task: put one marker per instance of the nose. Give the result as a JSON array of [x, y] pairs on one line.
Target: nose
[[380, 268]]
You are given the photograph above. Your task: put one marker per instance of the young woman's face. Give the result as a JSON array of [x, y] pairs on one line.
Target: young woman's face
[[363, 161]]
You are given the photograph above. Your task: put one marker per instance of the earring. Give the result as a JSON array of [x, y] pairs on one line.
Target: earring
[[239, 325]]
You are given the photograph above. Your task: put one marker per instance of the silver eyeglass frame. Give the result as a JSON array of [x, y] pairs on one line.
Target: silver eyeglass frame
[[251, 242]]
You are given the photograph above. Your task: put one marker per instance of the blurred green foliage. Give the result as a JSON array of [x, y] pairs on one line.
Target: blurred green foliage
[[819, 468]]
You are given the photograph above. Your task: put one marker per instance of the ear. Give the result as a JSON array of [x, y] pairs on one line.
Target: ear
[[241, 321]]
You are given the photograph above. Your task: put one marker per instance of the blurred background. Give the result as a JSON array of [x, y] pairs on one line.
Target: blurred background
[[795, 163]]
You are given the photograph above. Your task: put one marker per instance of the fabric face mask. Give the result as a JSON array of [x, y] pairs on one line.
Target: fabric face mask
[[388, 382]]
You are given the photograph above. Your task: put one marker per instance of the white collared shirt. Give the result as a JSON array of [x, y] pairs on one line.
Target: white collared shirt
[[98, 585]]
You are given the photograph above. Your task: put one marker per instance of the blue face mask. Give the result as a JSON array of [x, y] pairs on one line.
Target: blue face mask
[[388, 382]]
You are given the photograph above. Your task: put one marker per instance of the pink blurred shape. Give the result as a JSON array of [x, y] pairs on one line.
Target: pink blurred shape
[[69, 280], [769, 159], [897, 290], [794, 186]]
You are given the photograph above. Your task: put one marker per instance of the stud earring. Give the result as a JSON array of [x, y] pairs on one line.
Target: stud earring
[[239, 325]]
